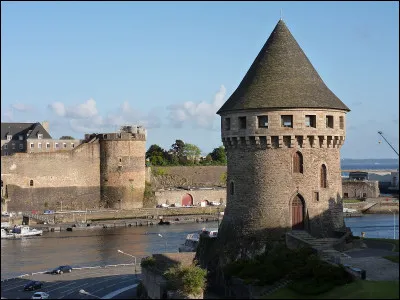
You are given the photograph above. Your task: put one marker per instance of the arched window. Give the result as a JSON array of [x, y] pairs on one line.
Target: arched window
[[323, 176], [232, 188], [297, 163], [31, 182]]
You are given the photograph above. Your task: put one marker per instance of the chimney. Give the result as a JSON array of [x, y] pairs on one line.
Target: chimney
[[45, 125]]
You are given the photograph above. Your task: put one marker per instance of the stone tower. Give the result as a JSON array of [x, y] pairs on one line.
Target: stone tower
[[122, 167], [282, 129]]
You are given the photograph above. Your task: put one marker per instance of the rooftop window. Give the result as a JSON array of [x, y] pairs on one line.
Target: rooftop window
[[40, 136]]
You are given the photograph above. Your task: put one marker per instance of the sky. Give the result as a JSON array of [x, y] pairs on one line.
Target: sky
[[90, 67]]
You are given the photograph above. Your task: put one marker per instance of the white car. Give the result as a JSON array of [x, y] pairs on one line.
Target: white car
[[5, 214], [40, 295], [164, 205]]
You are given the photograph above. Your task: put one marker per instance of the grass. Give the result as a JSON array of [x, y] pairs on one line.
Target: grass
[[394, 258], [360, 289], [391, 241], [352, 200]]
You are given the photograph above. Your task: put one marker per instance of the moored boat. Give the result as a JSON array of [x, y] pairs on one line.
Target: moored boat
[[19, 232]]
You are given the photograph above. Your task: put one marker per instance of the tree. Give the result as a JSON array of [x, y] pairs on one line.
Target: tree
[[156, 155], [219, 155], [177, 148], [67, 137], [192, 152]]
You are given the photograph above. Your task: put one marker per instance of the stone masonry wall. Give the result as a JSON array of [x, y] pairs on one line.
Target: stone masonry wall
[[175, 196], [72, 177], [360, 189]]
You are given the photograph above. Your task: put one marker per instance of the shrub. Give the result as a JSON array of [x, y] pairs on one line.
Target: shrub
[[159, 171], [190, 280], [148, 262]]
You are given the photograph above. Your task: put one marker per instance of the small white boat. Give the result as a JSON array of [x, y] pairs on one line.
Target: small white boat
[[19, 232], [191, 243], [192, 239]]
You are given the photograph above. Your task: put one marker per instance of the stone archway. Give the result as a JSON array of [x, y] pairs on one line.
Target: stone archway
[[298, 213]]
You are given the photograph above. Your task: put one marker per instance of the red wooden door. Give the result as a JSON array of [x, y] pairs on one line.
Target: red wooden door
[[297, 214], [187, 200]]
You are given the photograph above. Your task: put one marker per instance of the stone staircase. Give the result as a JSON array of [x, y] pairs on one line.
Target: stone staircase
[[49, 219], [368, 206], [324, 246]]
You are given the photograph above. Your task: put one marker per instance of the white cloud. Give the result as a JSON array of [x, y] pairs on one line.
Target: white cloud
[[8, 115], [21, 107], [201, 114], [58, 108]]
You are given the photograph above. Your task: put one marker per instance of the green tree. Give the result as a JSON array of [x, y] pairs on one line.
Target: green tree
[[219, 155], [156, 155], [67, 137], [178, 148], [192, 152]]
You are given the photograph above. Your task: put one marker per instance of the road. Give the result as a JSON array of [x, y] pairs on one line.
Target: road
[[106, 282]]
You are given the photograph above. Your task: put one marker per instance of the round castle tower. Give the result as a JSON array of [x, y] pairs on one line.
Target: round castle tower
[[122, 167], [282, 129]]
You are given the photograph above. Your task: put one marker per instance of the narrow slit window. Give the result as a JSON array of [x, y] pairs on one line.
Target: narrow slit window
[[316, 196], [341, 122], [31, 182], [232, 188], [298, 162], [323, 176]]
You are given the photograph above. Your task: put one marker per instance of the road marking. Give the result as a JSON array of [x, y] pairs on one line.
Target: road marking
[[117, 292], [120, 282], [79, 286]]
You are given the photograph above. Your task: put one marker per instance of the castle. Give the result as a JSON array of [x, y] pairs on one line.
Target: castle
[[104, 171], [282, 129]]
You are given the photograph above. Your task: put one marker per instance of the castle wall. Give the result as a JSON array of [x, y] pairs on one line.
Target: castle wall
[[360, 189], [194, 176], [175, 196], [122, 171], [72, 177]]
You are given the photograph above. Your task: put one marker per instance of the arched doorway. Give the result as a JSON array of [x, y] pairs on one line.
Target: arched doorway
[[298, 213], [187, 200]]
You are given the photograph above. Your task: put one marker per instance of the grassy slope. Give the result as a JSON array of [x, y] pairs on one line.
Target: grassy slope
[[360, 289]]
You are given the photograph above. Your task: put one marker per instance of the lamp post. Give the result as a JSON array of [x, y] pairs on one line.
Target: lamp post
[[129, 255], [83, 292], [160, 235], [394, 223]]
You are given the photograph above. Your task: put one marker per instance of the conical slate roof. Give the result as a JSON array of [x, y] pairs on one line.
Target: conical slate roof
[[281, 76]]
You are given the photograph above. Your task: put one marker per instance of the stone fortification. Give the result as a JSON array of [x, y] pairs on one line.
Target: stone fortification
[[185, 176], [107, 170], [282, 129]]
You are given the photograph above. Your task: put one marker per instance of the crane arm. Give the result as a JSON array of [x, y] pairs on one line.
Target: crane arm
[[380, 132]]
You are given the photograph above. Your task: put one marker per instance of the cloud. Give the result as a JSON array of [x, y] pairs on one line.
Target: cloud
[[84, 110], [21, 107], [201, 114], [85, 118], [58, 108], [8, 115]]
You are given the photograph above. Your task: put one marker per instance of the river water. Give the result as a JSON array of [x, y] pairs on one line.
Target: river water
[[100, 246]]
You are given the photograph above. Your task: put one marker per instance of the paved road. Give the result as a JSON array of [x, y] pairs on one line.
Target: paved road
[[102, 282]]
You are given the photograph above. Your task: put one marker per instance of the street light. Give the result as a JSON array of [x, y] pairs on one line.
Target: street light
[[83, 292], [129, 255], [160, 235], [394, 223]]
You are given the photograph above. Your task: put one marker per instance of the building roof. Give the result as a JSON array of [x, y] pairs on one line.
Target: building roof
[[28, 130], [281, 76]]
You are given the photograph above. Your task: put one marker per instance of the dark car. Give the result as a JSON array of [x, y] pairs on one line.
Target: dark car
[[62, 269], [33, 285]]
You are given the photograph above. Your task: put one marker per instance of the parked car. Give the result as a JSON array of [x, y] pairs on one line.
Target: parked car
[[33, 285], [214, 203], [40, 295], [164, 205], [5, 214], [62, 269], [48, 212]]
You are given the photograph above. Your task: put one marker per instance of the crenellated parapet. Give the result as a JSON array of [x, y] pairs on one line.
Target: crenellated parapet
[[283, 141]]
